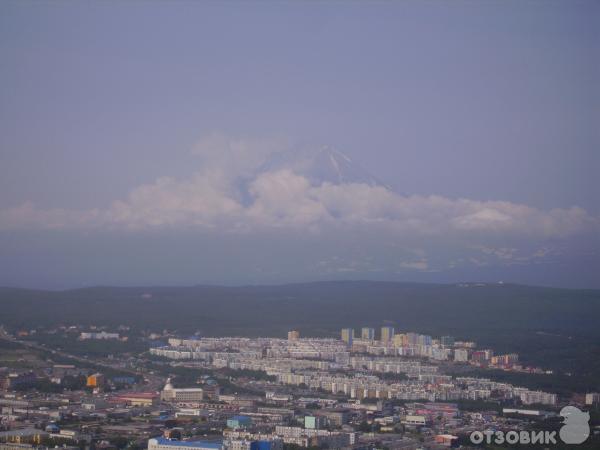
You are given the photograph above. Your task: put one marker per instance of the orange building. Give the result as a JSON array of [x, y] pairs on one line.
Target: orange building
[[95, 380], [446, 440]]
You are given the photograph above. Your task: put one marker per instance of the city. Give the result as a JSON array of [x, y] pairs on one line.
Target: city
[[299, 225], [378, 389]]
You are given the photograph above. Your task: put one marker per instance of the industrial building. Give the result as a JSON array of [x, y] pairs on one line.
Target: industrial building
[[161, 443], [181, 395]]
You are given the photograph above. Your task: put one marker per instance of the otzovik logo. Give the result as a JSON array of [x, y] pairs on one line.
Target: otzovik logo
[[575, 430]]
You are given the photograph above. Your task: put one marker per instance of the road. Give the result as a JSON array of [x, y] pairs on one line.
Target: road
[[151, 382]]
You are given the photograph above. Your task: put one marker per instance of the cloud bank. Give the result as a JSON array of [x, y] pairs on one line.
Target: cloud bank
[[285, 199], [238, 193], [282, 198]]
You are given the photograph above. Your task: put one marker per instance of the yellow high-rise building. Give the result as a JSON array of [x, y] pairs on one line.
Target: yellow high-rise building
[[400, 340], [347, 335], [387, 334], [367, 333]]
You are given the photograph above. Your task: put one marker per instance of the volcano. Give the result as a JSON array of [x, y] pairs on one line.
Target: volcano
[[321, 165]]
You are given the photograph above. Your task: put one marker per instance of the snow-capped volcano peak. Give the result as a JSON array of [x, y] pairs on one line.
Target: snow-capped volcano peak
[[321, 165]]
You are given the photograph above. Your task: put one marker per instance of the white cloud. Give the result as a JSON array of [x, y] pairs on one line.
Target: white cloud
[[27, 215], [514, 256], [234, 157], [214, 198], [415, 265], [283, 198], [203, 200]]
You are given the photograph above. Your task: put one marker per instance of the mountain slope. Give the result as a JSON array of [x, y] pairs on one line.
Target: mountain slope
[[316, 308]]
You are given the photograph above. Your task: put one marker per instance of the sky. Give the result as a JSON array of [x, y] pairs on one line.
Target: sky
[[179, 143]]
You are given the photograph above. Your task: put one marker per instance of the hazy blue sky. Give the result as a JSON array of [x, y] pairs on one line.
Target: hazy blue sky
[[133, 136]]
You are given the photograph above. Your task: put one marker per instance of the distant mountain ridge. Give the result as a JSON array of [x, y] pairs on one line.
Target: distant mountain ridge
[[463, 284], [319, 308]]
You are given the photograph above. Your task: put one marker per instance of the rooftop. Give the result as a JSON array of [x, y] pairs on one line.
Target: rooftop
[[196, 444]]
